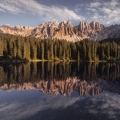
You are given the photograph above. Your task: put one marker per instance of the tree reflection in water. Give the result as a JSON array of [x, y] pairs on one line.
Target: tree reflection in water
[[60, 78]]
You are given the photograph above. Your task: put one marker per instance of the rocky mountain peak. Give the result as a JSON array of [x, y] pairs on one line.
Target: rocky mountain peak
[[96, 25], [65, 23], [65, 30]]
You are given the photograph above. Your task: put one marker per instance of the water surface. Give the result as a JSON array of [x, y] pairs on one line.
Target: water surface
[[48, 91]]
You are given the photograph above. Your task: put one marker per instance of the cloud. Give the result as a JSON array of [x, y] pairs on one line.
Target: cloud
[[103, 12], [91, 9], [7, 6], [112, 3], [95, 4], [40, 10]]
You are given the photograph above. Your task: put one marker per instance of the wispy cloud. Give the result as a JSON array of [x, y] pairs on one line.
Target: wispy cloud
[[104, 12], [95, 4], [44, 12], [8, 6]]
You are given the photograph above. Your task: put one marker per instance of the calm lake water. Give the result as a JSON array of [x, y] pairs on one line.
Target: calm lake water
[[57, 91]]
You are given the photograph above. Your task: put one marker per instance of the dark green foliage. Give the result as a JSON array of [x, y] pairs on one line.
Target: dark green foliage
[[1, 48], [31, 48]]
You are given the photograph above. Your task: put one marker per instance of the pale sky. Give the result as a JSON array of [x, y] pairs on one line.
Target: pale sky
[[35, 12]]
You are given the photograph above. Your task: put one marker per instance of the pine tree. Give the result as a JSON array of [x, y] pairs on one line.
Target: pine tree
[[1, 48], [42, 50]]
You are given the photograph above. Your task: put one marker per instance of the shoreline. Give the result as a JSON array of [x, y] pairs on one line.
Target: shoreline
[[65, 61]]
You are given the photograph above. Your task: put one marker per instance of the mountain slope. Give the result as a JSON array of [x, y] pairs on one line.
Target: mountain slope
[[112, 31], [1, 31], [65, 30]]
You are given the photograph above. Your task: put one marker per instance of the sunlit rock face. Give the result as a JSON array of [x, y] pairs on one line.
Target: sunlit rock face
[[86, 30], [63, 30], [17, 30]]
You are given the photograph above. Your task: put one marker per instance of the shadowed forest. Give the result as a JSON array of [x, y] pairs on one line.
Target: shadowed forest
[[29, 48]]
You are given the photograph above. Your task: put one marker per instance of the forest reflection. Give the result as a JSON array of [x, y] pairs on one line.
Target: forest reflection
[[61, 76]]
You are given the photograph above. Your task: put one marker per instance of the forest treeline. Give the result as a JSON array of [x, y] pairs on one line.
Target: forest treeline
[[30, 48]]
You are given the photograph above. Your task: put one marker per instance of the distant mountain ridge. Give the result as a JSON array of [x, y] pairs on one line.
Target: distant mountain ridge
[[65, 30]]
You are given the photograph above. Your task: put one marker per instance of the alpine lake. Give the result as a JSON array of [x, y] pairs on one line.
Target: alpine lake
[[60, 91]]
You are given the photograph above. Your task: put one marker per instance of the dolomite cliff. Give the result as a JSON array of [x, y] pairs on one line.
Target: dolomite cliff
[[64, 30]]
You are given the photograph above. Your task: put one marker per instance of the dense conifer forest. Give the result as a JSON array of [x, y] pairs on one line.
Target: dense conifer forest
[[30, 48]]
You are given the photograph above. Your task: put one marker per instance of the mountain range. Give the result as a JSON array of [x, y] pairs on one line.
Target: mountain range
[[65, 30]]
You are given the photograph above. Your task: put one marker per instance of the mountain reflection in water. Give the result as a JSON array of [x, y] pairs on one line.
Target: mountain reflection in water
[[50, 91], [58, 87], [49, 78]]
